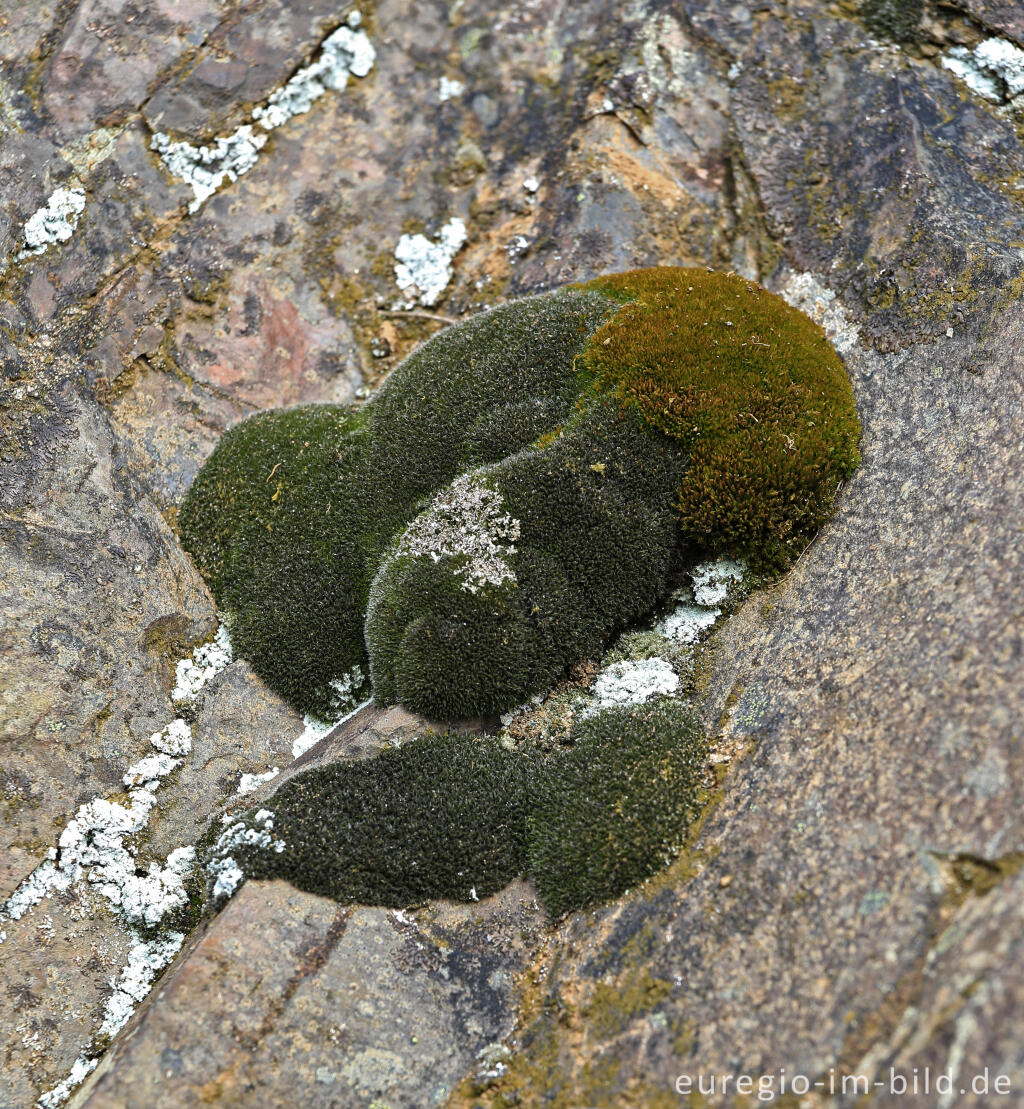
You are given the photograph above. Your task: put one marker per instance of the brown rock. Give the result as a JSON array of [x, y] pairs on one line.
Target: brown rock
[[322, 1005]]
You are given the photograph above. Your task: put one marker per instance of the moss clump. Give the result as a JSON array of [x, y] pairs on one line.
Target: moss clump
[[289, 517], [614, 808], [894, 19], [443, 816], [460, 816], [280, 527], [519, 488], [748, 387], [591, 547]]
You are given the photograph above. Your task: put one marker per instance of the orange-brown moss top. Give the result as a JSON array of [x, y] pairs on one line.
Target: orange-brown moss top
[[750, 387]]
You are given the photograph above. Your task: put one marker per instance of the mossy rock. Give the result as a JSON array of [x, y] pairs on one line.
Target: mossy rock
[[519, 488], [616, 806], [460, 816], [893, 19]]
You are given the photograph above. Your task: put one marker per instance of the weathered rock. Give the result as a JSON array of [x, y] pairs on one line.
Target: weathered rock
[[852, 902], [89, 570], [324, 1005], [878, 689]]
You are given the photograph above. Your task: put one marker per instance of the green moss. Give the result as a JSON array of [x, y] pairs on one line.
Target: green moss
[[614, 808], [613, 1006], [750, 389], [595, 540], [280, 526], [519, 489], [460, 816], [289, 517], [893, 19], [439, 817]]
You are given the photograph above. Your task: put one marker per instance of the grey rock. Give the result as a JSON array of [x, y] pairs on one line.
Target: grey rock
[[323, 1005]]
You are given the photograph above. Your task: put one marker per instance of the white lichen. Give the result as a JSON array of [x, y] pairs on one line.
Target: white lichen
[[806, 292], [205, 168], [228, 876], [207, 661], [80, 1071], [345, 694], [312, 732], [55, 222], [208, 166], [344, 52], [449, 89], [633, 682], [993, 69], [147, 772], [249, 783], [516, 247], [145, 961], [686, 623], [175, 739], [424, 268], [711, 581], [465, 522], [223, 868], [97, 848]]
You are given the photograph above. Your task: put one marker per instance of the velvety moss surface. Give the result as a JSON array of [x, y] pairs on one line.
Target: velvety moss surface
[[596, 540], [289, 517], [443, 816], [616, 806], [458, 816], [748, 387], [519, 488], [280, 526]]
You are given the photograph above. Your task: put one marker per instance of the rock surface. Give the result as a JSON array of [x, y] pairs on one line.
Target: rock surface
[[853, 902]]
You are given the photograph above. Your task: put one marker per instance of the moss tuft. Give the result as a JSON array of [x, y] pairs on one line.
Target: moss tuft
[[594, 540], [281, 529], [460, 816], [614, 808], [748, 387], [290, 515], [519, 488], [443, 816]]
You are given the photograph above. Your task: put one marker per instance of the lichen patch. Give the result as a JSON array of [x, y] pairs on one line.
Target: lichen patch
[[466, 522]]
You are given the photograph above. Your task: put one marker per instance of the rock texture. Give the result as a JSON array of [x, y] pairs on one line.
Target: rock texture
[[853, 902]]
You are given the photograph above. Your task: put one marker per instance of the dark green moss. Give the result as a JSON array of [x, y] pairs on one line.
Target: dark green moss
[[893, 19], [612, 810], [290, 515], [596, 538], [555, 456], [443, 816], [280, 526], [460, 816]]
